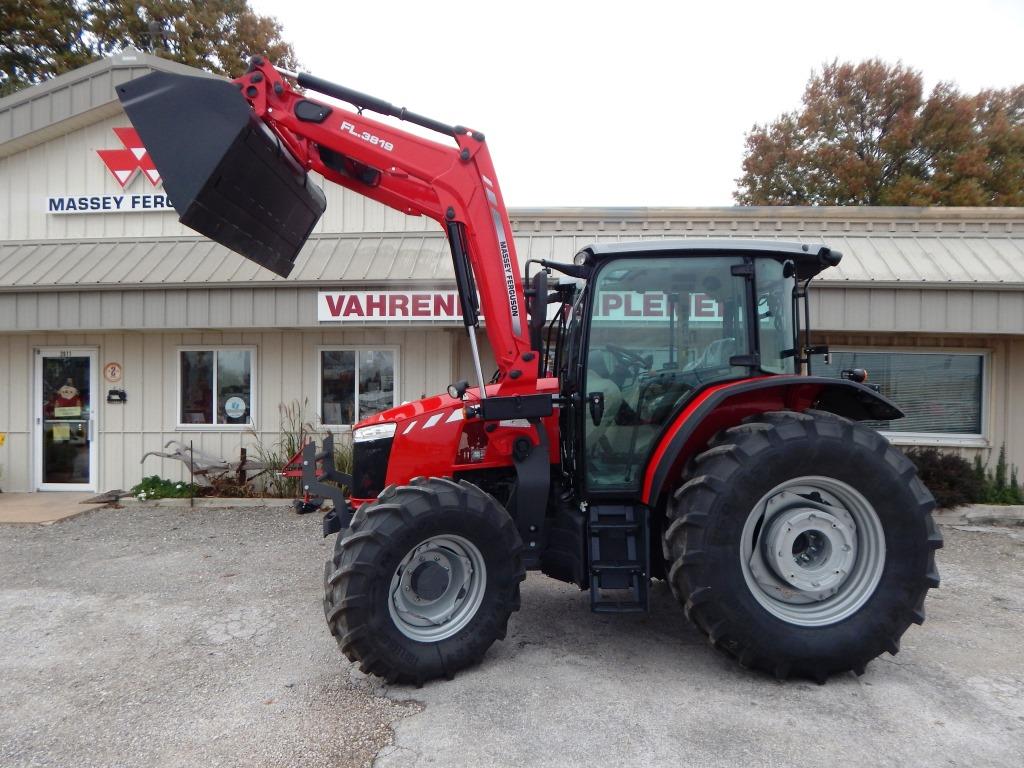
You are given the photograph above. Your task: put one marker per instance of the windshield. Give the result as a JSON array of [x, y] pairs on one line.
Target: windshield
[[775, 307]]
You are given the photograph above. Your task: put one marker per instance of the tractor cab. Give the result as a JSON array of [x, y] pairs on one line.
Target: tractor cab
[[658, 323]]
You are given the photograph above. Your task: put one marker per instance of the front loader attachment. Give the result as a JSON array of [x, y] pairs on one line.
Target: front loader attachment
[[226, 173]]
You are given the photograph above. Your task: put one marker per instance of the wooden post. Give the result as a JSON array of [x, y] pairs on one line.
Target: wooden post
[[241, 467]]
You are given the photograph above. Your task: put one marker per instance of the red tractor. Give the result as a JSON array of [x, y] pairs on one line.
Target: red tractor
[[650, 417]]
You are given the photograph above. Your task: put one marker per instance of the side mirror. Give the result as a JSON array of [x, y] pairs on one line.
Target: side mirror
[[596, 402]]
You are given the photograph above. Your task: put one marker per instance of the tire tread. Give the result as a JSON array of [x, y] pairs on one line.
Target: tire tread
[[690, 514]]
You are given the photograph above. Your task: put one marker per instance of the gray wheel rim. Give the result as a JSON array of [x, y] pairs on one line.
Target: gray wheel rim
[[437, 588], [812, 551]]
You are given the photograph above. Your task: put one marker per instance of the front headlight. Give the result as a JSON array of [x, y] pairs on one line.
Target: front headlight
[[373, 432]]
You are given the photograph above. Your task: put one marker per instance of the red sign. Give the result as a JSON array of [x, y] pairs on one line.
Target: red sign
[[125, 163], [613, 306], [355, 306], [627, 305]]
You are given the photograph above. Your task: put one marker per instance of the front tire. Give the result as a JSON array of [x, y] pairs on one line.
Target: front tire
[[424, 581], [802, 544]]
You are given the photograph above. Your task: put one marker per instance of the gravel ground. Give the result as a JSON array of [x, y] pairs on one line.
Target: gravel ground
[[163, 637]]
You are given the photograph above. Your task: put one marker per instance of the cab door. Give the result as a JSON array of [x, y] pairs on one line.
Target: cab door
[[661, 329]]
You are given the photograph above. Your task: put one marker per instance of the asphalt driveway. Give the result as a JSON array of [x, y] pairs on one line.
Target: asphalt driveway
[[163, 637]]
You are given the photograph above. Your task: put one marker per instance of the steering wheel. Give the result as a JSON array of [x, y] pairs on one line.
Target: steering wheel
[[628, 358]]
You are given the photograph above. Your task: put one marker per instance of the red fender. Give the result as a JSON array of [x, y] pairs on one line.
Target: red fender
[[726, 405]]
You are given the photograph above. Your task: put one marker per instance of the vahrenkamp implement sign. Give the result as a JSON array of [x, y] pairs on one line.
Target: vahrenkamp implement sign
[[384, 306]]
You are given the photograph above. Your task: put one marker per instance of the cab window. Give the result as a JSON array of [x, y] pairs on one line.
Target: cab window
[[660, 329]]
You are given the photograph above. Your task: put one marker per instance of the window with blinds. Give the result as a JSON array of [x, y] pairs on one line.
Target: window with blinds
[[941, 392]]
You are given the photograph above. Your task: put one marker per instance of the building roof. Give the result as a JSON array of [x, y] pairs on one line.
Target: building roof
[[73, 99], [928, 252]]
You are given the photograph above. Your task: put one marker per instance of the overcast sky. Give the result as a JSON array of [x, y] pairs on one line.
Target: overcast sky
[[632, 103]]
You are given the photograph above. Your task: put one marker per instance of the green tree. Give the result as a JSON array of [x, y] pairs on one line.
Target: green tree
[[43, 38], [867, 135], [217, 35], [40, 39]]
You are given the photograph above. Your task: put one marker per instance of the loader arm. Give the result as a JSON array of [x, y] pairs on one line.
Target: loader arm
[[454, 185]]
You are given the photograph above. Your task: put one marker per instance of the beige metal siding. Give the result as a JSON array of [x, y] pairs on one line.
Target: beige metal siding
[[14, 412], [832, 309], [175, 309], [928, 310], [286, 370], [69, 166]]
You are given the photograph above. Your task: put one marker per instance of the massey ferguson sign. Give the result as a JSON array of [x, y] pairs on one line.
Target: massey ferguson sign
[[125, 164]]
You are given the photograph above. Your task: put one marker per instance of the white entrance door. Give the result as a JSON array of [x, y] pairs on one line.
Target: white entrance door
[[66, 399]]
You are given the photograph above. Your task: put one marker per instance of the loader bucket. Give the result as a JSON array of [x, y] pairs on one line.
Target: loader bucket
[[226, 173]]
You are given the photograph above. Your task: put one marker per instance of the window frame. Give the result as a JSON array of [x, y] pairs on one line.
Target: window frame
[[253, 390], [939, 439], [394, 349]]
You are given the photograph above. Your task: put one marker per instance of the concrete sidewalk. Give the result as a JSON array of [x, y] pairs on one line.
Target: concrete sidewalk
[[47, 507], [43, 507]]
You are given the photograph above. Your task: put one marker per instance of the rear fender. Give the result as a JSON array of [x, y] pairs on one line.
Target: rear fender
[[726, 405]]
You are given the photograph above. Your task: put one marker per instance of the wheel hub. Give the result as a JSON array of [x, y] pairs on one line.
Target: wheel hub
[[429, 581], [437, 588], [809, 548], [813, 549]]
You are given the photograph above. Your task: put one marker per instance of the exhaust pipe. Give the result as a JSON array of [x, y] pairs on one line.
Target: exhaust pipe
[[226, 173]]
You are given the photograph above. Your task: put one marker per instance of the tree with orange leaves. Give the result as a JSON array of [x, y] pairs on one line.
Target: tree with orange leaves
[[867, 135]]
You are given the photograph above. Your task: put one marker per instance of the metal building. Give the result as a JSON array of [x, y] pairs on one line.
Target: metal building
[[121, 330]]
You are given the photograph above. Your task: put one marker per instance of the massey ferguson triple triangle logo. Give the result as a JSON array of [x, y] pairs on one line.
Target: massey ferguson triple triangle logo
[[125, 163]]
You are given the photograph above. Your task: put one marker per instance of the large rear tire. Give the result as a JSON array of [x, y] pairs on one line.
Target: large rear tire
[[424, 581], [802, 544]]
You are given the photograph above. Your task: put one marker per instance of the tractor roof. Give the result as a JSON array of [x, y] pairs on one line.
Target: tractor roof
[[810, 259]]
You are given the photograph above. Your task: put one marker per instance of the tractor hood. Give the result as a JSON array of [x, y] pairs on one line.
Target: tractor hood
[[443, 403]]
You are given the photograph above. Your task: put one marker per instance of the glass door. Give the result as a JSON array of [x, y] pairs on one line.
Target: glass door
[[65, 419]]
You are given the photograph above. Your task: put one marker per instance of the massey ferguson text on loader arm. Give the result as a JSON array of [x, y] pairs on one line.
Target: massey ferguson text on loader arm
[[455, 186]]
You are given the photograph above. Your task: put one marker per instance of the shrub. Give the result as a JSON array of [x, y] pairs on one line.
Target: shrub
[[951, 479], [998, 486], [156, 487], [296, 428]]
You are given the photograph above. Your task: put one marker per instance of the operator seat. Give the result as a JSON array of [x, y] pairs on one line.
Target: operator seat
[[718, 353], [715, 355], [598, 380]]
